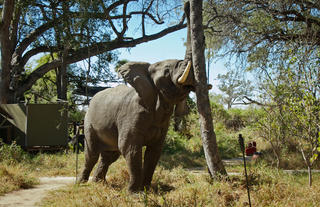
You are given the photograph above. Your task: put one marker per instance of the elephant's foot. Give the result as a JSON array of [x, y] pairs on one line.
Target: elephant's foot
[[146, 186], [82, 180], [135, 187], [139, 189], [97, 179], [100, 174], [84, 177]]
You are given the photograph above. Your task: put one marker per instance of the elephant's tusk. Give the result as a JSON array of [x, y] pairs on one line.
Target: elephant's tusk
[[185, 74]]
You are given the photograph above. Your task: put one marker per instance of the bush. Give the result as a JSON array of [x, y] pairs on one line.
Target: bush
[[227, 144], [219, 114], [174, 142], [13, 153]]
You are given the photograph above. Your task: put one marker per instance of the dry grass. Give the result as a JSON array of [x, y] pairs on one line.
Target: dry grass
[[19, 170], [14, 178], [59, 164], [179, 187], [172, 185]]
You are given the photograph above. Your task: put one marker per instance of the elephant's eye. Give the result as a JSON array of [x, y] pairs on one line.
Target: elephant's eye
[[166, 72]]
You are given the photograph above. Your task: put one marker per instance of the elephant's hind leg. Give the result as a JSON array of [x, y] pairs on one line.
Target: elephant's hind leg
[[91, 158], [91, 155], [107, 158]]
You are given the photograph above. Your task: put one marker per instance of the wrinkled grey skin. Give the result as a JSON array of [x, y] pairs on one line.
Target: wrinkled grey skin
[[123, 119]]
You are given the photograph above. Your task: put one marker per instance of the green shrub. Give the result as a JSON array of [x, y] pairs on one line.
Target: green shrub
[[219, 114], [13, 153], [174, 143], [227, 144]]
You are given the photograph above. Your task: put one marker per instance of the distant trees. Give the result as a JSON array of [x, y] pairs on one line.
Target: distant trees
[[74, 30], [291, 94], [279, 42], [234, 87]]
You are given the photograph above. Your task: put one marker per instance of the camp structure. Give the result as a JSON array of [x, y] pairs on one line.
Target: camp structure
[[34, 126]]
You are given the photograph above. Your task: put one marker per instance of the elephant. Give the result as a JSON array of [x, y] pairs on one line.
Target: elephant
[[122, 120]]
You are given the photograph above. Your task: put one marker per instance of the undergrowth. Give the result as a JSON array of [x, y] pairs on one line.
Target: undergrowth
[[20, 169], [14, 178], [180, 187], [13, 172]]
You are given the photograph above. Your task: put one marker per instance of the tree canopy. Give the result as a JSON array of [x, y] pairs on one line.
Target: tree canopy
[[250, 26], [279, 41], [266, 36], [75, 30]]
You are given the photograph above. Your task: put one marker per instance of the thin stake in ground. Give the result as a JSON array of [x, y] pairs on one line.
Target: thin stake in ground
[[241, 142]]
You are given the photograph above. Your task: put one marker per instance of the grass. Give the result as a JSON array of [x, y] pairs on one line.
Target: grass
[[14, 178], [173, 183], [180, 187], [20, 170]]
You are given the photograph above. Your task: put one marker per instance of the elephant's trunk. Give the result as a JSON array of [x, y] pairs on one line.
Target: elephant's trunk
[[188, 55]]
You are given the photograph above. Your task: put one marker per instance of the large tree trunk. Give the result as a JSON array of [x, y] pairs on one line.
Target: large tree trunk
[[6, 17], [5, 94], [213, 159]]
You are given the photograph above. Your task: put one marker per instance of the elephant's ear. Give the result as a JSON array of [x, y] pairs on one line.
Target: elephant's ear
[[137, 75]]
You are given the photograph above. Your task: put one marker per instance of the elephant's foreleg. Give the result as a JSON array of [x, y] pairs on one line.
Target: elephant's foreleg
[[133, 156], [107, 158], [151, 158]]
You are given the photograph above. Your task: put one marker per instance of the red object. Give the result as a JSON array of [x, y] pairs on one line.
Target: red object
[[251, 148]]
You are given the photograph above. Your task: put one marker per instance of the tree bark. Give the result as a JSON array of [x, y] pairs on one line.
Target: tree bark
[[7, 16], [63, 78], [213, 159]]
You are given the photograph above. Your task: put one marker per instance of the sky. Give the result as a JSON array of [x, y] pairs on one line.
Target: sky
[[170, 46]]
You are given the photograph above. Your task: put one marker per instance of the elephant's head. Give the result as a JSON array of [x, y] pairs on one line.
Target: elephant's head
[[173, 79]]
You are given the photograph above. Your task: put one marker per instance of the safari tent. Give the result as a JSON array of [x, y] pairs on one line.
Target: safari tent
[[34, 125]]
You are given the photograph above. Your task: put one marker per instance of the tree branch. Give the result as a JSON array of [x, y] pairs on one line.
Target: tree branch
[[149, 15], [95, 49], [254, 102], [33, 36], [36, 51], [107, 11]]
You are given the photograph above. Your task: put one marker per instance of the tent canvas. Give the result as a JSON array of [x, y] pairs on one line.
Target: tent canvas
[[40, 124]]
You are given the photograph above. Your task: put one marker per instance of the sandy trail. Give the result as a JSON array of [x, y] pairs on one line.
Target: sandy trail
[[30, 197]]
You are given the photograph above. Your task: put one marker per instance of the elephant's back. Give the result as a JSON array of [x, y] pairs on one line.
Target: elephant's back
[[108, 102], [103, 112]]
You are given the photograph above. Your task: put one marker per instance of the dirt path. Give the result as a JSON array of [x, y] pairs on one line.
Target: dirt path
[[30, 197]]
